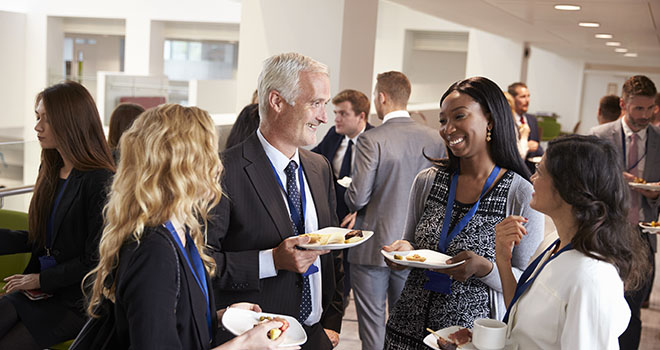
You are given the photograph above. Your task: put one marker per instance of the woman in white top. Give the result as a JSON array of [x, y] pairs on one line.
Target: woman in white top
[[572, 295]]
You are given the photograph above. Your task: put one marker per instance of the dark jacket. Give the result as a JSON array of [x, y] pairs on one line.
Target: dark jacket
[[328, 148], [146, 296]]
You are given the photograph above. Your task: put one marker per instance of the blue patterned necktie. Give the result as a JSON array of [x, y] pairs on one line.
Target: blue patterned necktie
[[298, 228]]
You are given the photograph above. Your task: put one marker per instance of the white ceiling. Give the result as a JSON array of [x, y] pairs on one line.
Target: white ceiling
[[635, 23]]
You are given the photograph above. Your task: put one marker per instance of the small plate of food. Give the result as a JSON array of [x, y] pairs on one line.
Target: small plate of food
[[332, 238], [450, 338], [238, 321], [345, 181], [455, 337], [421, 258], [650, 227], [641, 184]]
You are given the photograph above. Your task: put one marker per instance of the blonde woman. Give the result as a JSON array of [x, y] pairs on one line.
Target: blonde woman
[[522, 130], [152, 259]]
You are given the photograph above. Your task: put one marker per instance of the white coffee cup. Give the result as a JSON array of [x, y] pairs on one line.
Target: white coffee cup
[[489, 334]]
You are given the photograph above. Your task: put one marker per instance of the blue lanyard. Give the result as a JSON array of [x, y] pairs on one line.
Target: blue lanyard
[[444, 237], [623, 143], [51, 219], [440, 282], [525, 282], [197, 267], [295, 217]]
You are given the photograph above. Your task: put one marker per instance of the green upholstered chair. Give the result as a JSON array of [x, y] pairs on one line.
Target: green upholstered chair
[[548, 127]]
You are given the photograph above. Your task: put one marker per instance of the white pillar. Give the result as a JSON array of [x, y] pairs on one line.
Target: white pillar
[[138, 44]]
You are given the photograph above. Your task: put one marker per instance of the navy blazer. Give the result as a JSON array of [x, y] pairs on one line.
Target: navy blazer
[[146, 295], [253, 216], [533, 136], [328, 148]]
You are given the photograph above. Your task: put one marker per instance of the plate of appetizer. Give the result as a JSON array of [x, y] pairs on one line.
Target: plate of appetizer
[[453, 338], [333, 238], [421, 258], [650, 227], [238, 321], [345, 181], [641, 184]]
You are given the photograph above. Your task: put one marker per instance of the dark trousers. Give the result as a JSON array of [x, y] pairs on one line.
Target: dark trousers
[[629, 340]]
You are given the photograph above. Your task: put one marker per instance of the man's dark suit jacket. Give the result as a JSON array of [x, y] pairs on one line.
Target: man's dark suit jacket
[[146, 295], [252, 216], [328, 148], [533, 136], [77, 227]]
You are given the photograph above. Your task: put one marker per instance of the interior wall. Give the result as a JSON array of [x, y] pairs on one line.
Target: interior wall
[[12, 69], [555, 85], [493, 57]]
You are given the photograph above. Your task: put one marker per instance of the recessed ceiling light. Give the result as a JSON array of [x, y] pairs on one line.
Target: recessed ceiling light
[[604, 36], [630, 54], [613, 43], [621, 50], [567, 7], [589, 24]]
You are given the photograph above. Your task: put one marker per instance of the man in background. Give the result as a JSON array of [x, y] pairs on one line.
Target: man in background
[[609, 109], [351, 114], [386, 162], [639, 145], [520, 95]]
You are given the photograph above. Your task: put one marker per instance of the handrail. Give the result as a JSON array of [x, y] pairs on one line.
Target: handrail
[[5, 192]]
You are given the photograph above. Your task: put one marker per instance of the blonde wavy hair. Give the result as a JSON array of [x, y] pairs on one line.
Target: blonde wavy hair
[[169, 167]]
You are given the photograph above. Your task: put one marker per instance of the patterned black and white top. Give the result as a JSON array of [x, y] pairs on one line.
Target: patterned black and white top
[[418, 308]]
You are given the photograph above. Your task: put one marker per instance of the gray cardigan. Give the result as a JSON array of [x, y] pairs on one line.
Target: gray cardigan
[[520, 193]]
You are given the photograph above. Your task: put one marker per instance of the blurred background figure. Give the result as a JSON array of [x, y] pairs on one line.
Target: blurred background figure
[[522, 130], [120, 120], [609, 109], [656, 114], [245, 125]]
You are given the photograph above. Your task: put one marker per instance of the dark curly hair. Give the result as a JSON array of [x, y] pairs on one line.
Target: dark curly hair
[[503, 147], [587, 174]]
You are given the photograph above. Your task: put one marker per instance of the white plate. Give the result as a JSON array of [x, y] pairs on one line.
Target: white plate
[[345, 181], [331, 230], [650, 187], [239, 321], [434, 260], [535, 160], [431, 342], [649, 229]]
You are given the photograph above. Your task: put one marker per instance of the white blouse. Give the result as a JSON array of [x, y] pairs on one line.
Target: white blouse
[[576, 302]]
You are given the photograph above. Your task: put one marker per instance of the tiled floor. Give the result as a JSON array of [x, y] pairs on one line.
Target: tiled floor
[[349, 339]]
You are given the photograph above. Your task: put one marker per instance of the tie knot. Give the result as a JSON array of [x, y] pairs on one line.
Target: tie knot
[[350, 142], [634, 137], [291, 168]]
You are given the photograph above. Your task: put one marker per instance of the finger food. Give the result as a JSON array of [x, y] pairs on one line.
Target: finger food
[[275, 332], [416, 257]]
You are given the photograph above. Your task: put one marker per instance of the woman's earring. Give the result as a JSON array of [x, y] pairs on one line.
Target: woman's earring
[[488, 138]]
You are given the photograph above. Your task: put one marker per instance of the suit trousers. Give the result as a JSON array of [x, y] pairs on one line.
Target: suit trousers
[[632, 335], [372, 287]]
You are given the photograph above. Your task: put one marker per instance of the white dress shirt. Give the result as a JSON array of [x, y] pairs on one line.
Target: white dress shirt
[[339, 156], [522, 143], [266, 263], [395, 114], [576, 302]]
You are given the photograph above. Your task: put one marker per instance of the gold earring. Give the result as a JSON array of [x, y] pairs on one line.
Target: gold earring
[[488, 138]]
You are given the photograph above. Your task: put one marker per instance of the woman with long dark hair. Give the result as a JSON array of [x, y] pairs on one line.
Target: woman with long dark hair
[[44, 305], [572, 295], [454, 207]]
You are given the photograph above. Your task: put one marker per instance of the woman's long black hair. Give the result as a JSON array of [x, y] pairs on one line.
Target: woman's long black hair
[[587, 173], [503, 141]]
